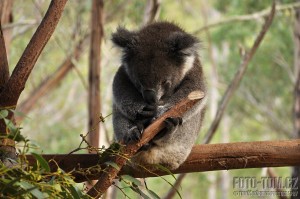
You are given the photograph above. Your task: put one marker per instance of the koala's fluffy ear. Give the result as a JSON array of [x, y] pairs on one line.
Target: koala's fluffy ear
[[182, 43], [124, 38]]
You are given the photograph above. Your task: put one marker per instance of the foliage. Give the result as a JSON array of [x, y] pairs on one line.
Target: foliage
[[37, 182]]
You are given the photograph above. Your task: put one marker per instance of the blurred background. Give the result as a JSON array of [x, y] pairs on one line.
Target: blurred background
[[261, 108]]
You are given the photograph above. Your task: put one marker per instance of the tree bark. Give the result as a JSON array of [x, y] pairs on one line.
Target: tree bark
[[6, 18], [94, 73], [206, 157]]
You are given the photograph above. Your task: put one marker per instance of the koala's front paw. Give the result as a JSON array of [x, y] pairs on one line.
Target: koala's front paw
[[148, 111], [171, 124], [134, 134]]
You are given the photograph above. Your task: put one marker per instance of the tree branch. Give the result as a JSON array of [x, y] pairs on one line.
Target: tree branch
[[4, 69], [249, 17], [94, 73], [206, 157], [151, 11], [238, 76], [107, 175], [16, 83]]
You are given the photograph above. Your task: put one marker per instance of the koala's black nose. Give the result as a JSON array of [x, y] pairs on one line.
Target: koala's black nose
[[150, 96]]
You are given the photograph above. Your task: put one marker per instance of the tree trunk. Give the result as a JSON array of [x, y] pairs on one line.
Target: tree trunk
[[94, 73]]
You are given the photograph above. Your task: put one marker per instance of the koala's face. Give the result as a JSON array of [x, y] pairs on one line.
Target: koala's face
[[156, 58]]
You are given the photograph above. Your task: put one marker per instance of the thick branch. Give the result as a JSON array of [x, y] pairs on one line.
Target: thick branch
[[16, 83], [238, 76], [207, 157], [107, 175]]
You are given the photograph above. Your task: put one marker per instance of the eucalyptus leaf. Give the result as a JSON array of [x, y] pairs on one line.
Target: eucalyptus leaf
[[44, 164]]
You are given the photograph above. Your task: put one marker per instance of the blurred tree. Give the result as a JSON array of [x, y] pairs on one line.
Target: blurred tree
[[296, 108]]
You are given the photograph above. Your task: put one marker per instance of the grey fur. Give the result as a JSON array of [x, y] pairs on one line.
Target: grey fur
[[160, 67]]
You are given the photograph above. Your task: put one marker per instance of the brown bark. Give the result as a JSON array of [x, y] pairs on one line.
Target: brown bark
[[238, 76], [206, 157], [6, 145], [107, 175], [4, 69], [6, 18], [94, 73], [51, 81]]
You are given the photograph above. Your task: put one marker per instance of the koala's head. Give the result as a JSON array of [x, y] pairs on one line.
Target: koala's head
[[156, 58]]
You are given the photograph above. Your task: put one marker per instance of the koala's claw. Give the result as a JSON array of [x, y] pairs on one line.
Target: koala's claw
[[171, 125], [134, 134], [172, 122], [147, 111]]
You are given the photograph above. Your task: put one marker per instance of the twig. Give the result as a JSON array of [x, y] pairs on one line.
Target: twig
[[249, 17], [109, 173], [238, 76]]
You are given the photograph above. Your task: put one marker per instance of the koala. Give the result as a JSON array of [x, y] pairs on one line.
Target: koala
[[160, 67]]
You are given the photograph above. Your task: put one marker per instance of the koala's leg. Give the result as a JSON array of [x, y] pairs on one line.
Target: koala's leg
[[124, 129], [171, 125], [171, 156]]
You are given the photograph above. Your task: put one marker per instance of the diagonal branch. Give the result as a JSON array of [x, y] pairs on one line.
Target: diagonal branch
[[238, 76], [16, 83], [109, 173]]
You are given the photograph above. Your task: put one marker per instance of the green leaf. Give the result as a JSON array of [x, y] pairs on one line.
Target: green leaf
[[153, 194], [33, 190], [114, 165], [3, 114], [75, 192], [131, 179], [14, 131], [140, 192], [44, 164], [165, 169]]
